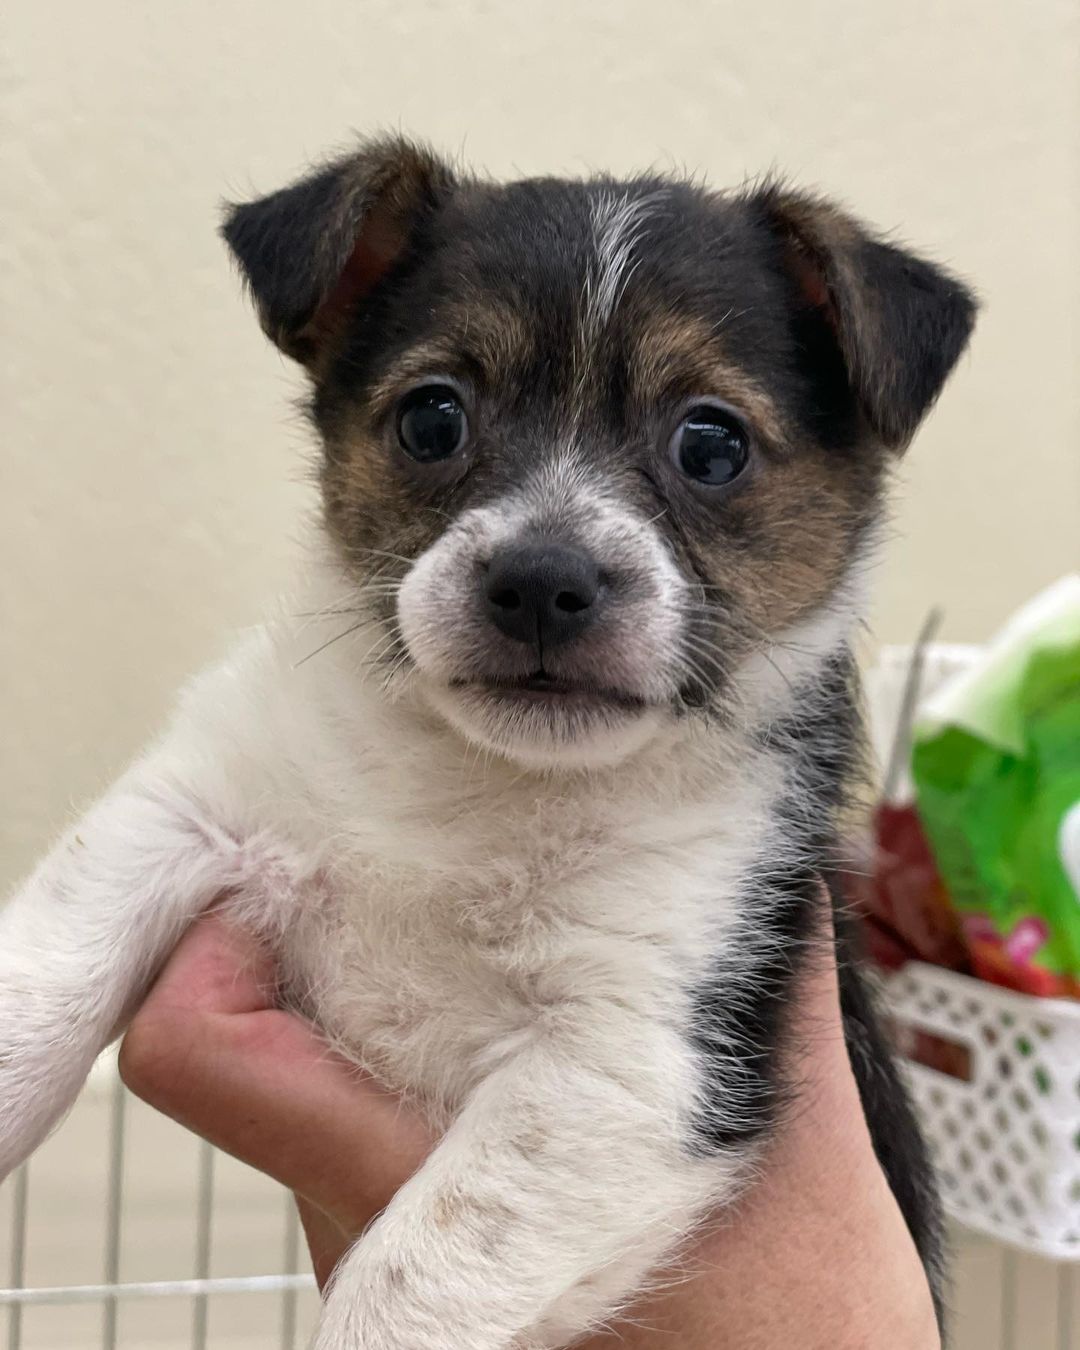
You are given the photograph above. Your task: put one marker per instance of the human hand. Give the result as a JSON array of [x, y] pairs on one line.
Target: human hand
[[815, 1255]]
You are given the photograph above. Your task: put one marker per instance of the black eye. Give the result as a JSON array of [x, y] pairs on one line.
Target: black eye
[[431, 423], [710, 446]]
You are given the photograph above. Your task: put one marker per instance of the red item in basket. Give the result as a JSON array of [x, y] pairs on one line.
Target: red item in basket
[[903, 900], [1006, 961]]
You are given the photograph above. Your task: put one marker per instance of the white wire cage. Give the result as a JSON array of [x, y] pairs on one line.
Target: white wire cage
[[125, 1231]]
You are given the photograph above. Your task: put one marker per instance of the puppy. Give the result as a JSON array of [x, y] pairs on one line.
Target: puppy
[[531, 787]]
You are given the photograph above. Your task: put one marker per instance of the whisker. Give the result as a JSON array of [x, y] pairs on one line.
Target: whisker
[[745, 627], [364, 623], [330, 641], [383, 553], [686, 663], [369, 591], [377, 653], [705, 652], [395, 669]]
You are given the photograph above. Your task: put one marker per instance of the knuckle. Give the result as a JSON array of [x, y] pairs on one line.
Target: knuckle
[[145, 1058]]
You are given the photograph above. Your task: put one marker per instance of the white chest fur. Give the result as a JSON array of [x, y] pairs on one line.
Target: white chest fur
[[434, 911]]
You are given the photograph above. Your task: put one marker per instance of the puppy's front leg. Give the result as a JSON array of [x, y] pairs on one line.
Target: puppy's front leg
[[83, 936], [562, 1166]]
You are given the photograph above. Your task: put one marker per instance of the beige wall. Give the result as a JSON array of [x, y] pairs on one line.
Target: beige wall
[[152, 469]]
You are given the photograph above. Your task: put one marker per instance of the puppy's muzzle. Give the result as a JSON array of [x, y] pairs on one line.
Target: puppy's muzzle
[[542, 593]]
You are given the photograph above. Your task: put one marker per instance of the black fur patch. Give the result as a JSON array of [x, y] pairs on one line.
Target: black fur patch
[[743, 1011], [894, 1129]]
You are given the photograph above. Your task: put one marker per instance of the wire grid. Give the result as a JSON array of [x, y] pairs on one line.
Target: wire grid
[[113, 1289], [1014, 1330], [1010, 1290]]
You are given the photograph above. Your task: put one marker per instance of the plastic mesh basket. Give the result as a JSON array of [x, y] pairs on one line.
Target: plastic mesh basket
[[1006, 1135]]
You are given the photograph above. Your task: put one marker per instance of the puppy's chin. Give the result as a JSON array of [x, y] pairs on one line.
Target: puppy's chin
[[547, 732]]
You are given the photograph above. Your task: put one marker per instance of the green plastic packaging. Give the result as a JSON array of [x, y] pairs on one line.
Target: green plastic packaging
[[996, 763]]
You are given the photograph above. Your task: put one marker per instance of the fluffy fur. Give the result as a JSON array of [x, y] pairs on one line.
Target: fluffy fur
[[564, 923]]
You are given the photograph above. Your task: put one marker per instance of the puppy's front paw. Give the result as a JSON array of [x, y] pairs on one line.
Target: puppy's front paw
[[37, 1083], [370, 1306], [380, 1300]]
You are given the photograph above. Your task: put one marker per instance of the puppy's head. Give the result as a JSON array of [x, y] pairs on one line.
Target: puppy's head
[[594, 451]]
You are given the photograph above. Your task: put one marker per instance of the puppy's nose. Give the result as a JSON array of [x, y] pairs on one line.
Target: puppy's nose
[[542, 592]]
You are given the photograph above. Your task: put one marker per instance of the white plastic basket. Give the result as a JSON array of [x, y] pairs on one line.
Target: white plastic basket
[[1006, 1137]]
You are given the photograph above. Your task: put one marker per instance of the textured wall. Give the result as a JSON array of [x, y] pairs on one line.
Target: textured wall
[[152, 469]]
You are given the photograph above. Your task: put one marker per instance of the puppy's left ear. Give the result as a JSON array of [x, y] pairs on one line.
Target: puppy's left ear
[[900, 322], [312, 252]]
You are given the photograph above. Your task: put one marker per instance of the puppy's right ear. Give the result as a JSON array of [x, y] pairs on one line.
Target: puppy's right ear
[[311, 252]]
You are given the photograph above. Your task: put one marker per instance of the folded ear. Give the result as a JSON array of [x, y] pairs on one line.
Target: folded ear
[[312, 251], [900, 322]]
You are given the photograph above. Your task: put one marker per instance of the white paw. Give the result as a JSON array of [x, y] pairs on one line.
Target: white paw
[[27, 1114], [380, 1302], [37, 1086], [364, 1310]]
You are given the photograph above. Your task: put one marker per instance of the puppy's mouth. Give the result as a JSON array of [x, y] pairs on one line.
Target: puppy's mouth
[[554, 691]]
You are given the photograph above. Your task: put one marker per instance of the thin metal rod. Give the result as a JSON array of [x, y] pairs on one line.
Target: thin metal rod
[[1065, 1306], [94, 1293], [1008, 1299], [114, 1209], [900, 753], [290, 1261], [17, 1268], [203, 1235]]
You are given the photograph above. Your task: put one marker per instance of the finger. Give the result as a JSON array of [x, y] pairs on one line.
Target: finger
[[814, 1065], [263, 1085], [326, 1240], [814, 1017], [219, 967]]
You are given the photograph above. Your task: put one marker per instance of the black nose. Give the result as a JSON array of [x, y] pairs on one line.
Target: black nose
[[542, 592]]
